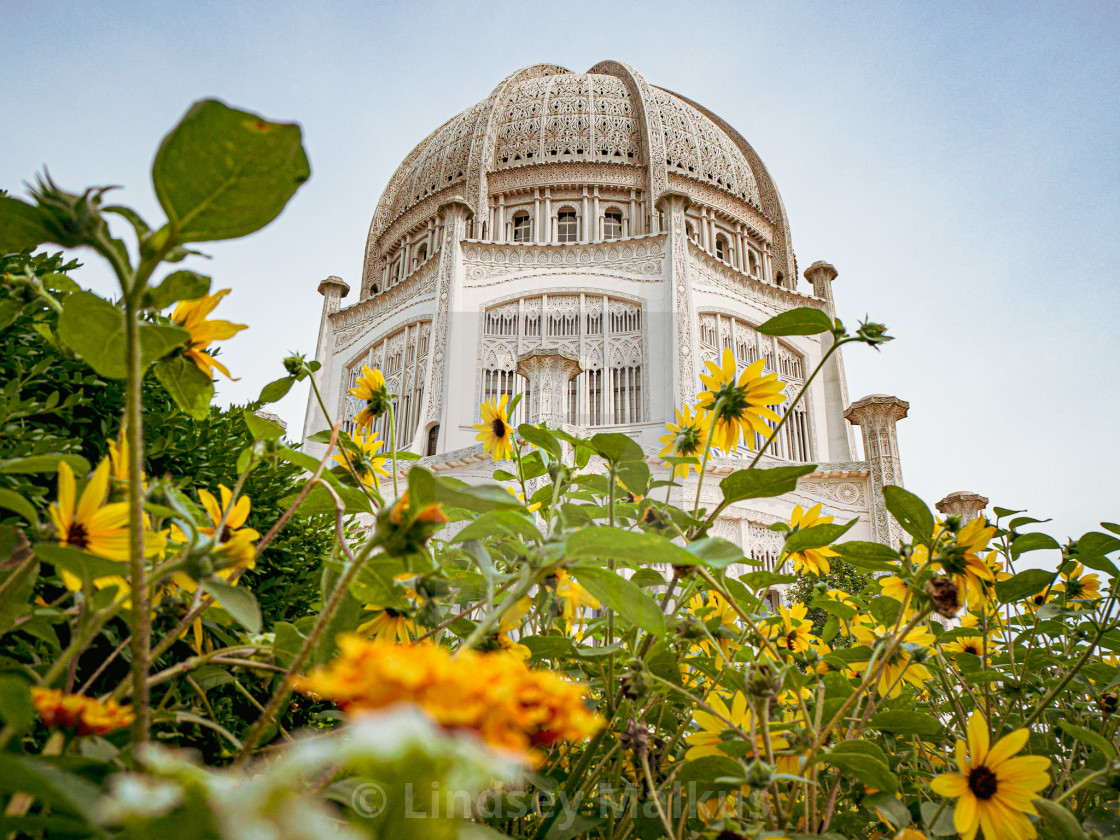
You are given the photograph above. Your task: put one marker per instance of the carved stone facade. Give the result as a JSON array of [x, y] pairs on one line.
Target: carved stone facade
[[589, 240]]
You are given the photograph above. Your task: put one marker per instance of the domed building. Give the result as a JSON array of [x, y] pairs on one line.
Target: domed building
[[589, 240]]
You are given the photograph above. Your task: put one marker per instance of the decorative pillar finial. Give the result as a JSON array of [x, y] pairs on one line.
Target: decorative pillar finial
[[876, 417], [963, 503], [548, 372], [333, 289], [821, 275]]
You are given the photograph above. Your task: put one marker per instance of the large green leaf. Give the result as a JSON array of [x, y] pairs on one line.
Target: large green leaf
[[541, 436], [910, 511], [760, 484], [907, 723], [1023, 585], [179, 285], [868, 556], [817, 536], [21, 225], [44, 464], [715, 552], [1090, 738], [191, 388], [94, 329], [627, 599], [16, 708], [13, 501], [59, 788], [1057, 823], [867, 769], [1032, 542], [634, 548], [805, 320], [627, 457], [223, 173], [702, 775], [238, 601]]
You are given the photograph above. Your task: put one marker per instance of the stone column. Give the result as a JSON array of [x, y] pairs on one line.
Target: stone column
[[685, 378], [548, 372], [455, 214], [876, 417], [841, 438], [333, 289], [963, 503]]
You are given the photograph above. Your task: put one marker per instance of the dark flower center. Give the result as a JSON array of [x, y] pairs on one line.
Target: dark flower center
[[732, 400], [1074, 589], [972, 648], [77, 535], [499, 427], [983, 782]]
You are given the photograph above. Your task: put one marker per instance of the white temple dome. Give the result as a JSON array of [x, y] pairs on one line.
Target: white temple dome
[[607, 125]]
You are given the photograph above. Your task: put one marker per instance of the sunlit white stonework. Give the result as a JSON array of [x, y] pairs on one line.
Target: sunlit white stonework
[[591, 239]]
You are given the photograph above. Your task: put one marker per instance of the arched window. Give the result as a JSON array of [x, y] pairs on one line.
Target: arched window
[[723, 249], [422, 253], [612, 224], [522, 228], [753, 262], [433, 439], [567, 226], [779, 278], [690, 230]]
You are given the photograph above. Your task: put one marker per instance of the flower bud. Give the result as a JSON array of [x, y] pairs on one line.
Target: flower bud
[[760, 774], [1109, 703], [633, 683], [764, 681], [403, 530], [945, 596]]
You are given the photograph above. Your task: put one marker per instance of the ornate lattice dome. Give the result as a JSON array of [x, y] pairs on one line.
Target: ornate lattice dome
[[548, 125]]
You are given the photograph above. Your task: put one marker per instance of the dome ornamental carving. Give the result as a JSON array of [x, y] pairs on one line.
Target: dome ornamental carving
[[602, 124]]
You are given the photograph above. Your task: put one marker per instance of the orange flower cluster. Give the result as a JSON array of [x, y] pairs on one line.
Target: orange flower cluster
[[83, 715], [494, 694]]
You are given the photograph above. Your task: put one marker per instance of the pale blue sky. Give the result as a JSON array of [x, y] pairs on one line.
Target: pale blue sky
[[959, 163]]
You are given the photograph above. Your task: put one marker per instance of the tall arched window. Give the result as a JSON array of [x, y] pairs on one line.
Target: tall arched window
[[723, 249], [522, 228], [567, 226], [753, 262], [690, 231], [433, 439], [612, 224]]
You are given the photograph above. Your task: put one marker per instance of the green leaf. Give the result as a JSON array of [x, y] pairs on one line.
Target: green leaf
[[13, 501], [16, 708], [760, 484], [816, 536], [44, 464], [549, 647], [191, 389], [1090, 738], [624, 597], [943, 827], [868, 556], [1023, 585], [910, 511], [866, 769], [21, 226], [238, 601], [276, 390], [223, 173], [177, 286], [542, 437], [1032, 542], [261, 428], [9, 311], [1092, 548], [715, 552], [888, 806], [626, 455], [63, 790], [634, 548], [1057, 823], [94, 329], [704, 773], [763, 579], [804, 320], [908, 723]]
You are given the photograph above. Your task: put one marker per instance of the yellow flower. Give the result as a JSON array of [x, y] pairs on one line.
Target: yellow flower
[[573, 598], [961, 560], [910, 834], [994, 789], [533, 508], [713, 605], [494, 431], [966, 644], [790, 629], [371, 389], [686, 438], [88, 523], [389, 625], [236, 541], [1078, 586], [742, 403], [901, 667], [814, 560], [493, 694], [369, 465], [78, 713], [191, 316], [714, 728], [894, 587]]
